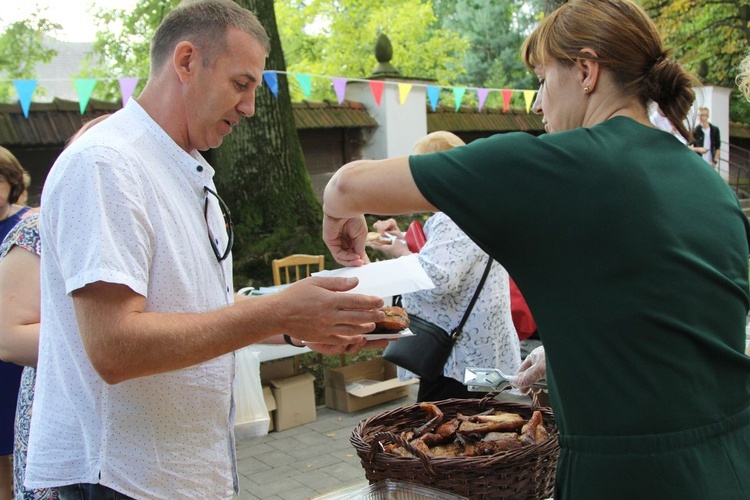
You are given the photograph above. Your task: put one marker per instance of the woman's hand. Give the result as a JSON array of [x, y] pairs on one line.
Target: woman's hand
[[533, 369], [388, 226], [346, 239], [395, 249]]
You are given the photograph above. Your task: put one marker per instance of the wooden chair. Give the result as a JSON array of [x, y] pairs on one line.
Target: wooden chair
[[295, 267]]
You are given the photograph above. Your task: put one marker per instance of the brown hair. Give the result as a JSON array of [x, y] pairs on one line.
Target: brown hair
[[626, 42], [205, 24], [437, 141], [13, 172]]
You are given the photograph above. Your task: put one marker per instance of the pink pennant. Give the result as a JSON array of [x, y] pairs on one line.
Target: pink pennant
[[482, 94], [339, 85], [507, 94], [376, 87], [127, 87]]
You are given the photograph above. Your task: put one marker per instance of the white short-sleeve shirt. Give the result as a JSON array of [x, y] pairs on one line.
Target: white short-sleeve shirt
[[124, 204]]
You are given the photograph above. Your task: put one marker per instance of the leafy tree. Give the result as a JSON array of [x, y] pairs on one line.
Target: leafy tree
[[122, 45], [261, 173], [496, 31], [338, 39], [22, 48], [710, 38]]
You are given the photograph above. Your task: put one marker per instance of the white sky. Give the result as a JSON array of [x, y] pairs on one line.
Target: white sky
[[77, 24]]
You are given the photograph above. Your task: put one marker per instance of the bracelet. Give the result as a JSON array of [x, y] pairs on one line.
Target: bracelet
[[288, 340]]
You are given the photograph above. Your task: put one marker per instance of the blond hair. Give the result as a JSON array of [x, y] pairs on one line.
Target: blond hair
[[626, 42], [437, 141]]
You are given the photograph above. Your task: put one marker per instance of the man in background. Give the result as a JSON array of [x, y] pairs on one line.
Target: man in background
[[707, 139]]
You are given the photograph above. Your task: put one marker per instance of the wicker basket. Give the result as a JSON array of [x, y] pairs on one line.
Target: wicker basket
[[524, 473]]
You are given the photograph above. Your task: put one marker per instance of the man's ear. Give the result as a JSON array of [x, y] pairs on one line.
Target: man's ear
[[589, 69], [184, 59]]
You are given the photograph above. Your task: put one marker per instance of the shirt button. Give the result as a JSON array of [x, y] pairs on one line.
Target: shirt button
[[199, 168], [227, 289]]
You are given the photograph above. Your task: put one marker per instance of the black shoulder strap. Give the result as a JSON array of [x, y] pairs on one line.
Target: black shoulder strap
[[457, 331]]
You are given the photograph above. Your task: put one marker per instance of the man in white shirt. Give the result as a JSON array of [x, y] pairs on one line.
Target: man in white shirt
[[707, 139], [139, 321]]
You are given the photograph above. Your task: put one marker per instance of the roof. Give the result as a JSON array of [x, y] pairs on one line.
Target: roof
[[49, 123], [327, 114], [469, 119], [53, 123]]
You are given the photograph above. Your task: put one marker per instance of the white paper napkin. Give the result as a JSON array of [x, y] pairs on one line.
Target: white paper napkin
[[387, 277]]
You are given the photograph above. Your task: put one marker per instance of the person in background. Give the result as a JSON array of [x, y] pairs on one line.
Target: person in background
[[11, 189], [707, 139], [456, 264], [139, 322], [630, 250], [19, 333]]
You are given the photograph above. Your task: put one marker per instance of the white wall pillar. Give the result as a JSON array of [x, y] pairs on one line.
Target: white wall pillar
[[716, 99], [399, 125]]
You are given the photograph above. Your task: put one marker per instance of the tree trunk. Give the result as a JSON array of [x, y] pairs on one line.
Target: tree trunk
[[261, 174]]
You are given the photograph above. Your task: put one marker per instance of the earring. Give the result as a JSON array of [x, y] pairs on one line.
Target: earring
[[586, 89]]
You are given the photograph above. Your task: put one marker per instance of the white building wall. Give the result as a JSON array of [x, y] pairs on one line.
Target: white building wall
[[399, 125]]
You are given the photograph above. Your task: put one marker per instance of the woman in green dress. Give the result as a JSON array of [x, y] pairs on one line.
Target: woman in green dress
[[631, 252]]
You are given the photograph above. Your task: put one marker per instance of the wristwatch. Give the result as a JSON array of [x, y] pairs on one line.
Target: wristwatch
[[288, 340]]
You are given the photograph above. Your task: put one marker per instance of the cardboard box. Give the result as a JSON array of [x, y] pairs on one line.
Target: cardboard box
[[278, 369], [362, 385], [270, 405], [295, 401]]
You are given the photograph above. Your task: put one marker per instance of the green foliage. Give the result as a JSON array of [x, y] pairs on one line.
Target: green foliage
[[338, 39], [710, 38], [495, 31], [21, 49], [122, 44]]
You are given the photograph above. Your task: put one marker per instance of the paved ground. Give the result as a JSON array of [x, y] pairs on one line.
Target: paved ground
[[306, 461]]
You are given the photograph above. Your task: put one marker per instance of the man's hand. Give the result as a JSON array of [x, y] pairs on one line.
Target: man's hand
[[346, 239], [315, 310]]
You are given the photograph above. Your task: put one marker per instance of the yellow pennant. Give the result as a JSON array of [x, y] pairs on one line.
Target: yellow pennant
[[403, 91], [528, 96]]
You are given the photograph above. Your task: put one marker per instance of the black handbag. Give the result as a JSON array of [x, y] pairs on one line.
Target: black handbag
[[426, 352]]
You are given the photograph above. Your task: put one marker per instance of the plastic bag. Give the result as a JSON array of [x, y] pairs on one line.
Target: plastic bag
[[251, 413]]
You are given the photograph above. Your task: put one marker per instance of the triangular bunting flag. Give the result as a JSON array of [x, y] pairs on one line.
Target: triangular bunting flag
[[403, 91], [339, 85], [127, 87], [376, 87], [528, 96], [272, 81], [305, 83], [84, 87], [482, 95], [433, 93], [507, 94], [458, 94], [25, 89]]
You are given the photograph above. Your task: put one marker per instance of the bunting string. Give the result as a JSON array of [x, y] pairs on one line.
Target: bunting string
[[85, 86]]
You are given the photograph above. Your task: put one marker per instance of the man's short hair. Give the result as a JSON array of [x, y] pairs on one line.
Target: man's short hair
[[205, 24]]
